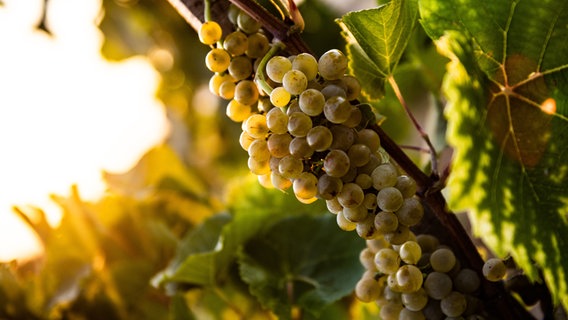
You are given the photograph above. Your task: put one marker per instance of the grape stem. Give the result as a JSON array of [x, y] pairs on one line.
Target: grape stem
[[259, 77]]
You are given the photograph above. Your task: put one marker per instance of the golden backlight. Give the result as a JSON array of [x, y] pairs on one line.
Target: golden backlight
[[66, 113]]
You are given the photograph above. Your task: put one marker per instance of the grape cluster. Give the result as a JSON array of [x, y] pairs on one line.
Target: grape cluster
[[419, 279]]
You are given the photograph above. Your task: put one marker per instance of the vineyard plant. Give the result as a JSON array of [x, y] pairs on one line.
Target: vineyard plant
[[404, 161]]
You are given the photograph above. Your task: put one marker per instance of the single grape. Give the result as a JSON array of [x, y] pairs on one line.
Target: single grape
[[370, 202], [305, 185], [333, 205], [237, 111], [416, 300], [406, 185], [276, 67], [217, 80], [240, 68], [389, 199], [367, 259], [332, 65], [410, 252], [467, 281], [311, 102], [299, 124], [387, 261], [359, 155], [399, 236], [256, 126], [427, 242], [343, 137], [295, 82], [377, 244], [236, 43], [233, 13], [306, 63], [279, 181], [227, 90], [442, 260], [411, 212], [245, 140], [438, 285], [279, 97], [247, 24], [336, 109], [279, 145], [355, 214], [355, 117], [454, 304], [329, 187], [217, 60], [345, 224], [409, 278], [364, 181], [367, 290], [332, 90], [210, 32], [352, 87], [366, 228], [300, 148], [265, 181], [336, 163], [432, 310], [258, 150], [494, 269], [386, 222], [258, 45], [384, 176], [319, 138], [277, 121], [258, 167], [369, 138], [290, 167], [390, 311], [246, 92]]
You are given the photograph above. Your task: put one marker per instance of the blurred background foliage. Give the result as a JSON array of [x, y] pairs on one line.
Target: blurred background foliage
[[125, 256]]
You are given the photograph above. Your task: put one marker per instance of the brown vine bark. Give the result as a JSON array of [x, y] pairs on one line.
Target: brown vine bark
[[438, 220]]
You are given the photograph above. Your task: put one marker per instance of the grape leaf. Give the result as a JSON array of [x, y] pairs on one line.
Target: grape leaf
[[376, 39], [304, 261], [507, 112]]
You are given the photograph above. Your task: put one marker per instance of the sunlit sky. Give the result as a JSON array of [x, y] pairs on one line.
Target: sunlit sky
[[66, 114]]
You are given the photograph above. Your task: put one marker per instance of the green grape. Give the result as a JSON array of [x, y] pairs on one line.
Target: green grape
[[366, 228], [390, 311], [319, 138], [258, 150], [337, 109], [299, 124], [386, 222], [399, 236], [345, 224], [427, 242], [217, 60], [494, 269], [217, 80], [305, 185], [387, 261], [233, 13], [290, 167], [343, 137], [332, 65], [227, 90], [264, 180], [466, 281], [367, 259], [277, 121], [258, 167], [245, 140], [311, 102], [367, 290], [333, 205], [359, 155], [210, 32], [279, 182], [237, 111], [279, 145], [364, 181], [407, 314], [352, 87], [258, 45], [409, 278], [329, 187], [437, 285], [279, 97], [384, 176], [369, 138], [246, 92], [410, 252], [377, 244], [406, 185], [300, 148], [256, 126], [306, 63], [333, 90], [370, 201], [240, 68], [442, 260], [389, 199], [415, 301], [355, 117], [411, 212], [355, 214], [336, 163], [295, 82], [454, 304], [236, 43], [276, 67], [247, 24]]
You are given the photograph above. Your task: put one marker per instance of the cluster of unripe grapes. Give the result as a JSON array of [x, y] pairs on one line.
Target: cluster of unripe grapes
[[304, 130]]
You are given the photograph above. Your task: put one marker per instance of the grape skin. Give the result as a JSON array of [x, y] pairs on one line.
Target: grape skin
[[442, 260], [332, 65], [336, 163], [276, 67], [217, 60], [210, 32], [295, 82], [494, 269]]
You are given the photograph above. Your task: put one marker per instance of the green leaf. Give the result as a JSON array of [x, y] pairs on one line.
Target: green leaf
[[507, 112], [303, 261], [376, 39]]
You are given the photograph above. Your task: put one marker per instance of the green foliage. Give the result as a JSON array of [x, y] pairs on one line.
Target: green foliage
[[507, 113]]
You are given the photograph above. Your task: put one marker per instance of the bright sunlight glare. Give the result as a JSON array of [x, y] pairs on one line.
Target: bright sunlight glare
[[66, 113]]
